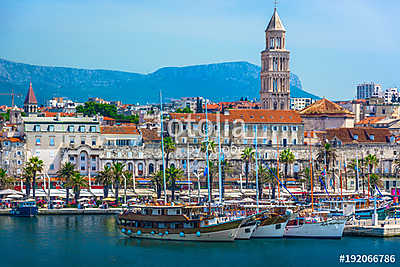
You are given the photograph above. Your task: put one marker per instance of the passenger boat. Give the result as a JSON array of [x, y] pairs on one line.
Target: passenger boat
[[359, 207], [316, 226], [178, 222], [272, 224], [24, 208]]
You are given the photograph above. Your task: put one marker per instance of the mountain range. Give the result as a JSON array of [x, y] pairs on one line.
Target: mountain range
[[219, 82]]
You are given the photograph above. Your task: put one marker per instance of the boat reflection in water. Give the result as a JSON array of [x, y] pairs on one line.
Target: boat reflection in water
[[24, 208]]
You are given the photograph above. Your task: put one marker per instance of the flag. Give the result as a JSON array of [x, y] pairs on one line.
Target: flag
[[205, 171]]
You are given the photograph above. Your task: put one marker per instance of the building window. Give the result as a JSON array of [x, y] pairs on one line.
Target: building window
[[83, 141], [226, 141], [294, 141], [294, 128], [82, 129], [284, 128], [108, 154], [83, 167], [19, 153], [50, 128], [93, 142], [119, 154], [51, 166], [36, 128], [275, 128], [72, 140], [92, 129], [38, 141], [70, 128], [195, 140], [129, 154], [51, 141], [83, 158], [71, 158], [245, 141], [265, 128], [19, 162], [93, 167], [264, 141]]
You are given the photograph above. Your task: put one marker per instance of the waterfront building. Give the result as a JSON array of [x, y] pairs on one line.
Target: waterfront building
[[12, 155], [325, 114], [275, 70], [56, 140], [238, 127]]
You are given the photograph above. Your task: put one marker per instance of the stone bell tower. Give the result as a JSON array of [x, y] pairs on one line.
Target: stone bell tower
[[275, 72]]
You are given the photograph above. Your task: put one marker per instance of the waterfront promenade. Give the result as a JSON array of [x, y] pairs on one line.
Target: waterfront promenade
[[71, 211]]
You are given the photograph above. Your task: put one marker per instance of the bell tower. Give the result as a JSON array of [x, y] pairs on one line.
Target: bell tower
[[275, 72]]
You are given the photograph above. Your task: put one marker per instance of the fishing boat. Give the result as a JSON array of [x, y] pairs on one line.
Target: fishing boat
[[24, 208], [316, 225], [179, 223]]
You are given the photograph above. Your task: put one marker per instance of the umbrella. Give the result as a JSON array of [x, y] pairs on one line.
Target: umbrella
[[9, 192], [14, 196], [109, 199], [83, 199]]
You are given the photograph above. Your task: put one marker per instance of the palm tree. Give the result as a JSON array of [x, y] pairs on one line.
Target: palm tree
[[27, 175], [271, 179], [371, 161], [263, 177], [5, 180], [169, 147], [77, 181], [375, 181], [157, 180], [248, 155], [66, 172], [172, 174], [288, 158], [326, 155], [226, 168], [36, 166], [105, 178], [117, 171], [305, 177]]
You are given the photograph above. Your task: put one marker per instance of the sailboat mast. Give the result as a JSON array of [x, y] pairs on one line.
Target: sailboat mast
[[277, 167], [208, 163], [311, 178], [219, 158], [257, 189], [162, 149], [188, 170]]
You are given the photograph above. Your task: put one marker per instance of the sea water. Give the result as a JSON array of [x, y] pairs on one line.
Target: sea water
[[86, 240]]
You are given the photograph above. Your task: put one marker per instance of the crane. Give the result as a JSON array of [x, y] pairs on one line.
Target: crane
[[13, 95]]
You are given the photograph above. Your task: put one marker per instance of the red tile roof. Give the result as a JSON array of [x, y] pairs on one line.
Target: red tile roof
[[108, 119], [246, 115], [30, 97], [150, 135], [369, 120], [326, 108], [11, 139], [119, 130], [54, 114], [358, 135]]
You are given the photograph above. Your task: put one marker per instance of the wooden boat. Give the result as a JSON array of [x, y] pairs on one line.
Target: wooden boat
[[178, 222], [24, 208]]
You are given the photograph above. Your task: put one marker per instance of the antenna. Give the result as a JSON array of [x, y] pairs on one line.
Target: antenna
[[275, 4]]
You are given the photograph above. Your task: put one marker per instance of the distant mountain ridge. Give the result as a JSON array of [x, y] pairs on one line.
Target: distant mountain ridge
[[219, 82]]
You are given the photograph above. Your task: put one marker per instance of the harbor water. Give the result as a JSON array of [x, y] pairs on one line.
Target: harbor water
[[93, 240]]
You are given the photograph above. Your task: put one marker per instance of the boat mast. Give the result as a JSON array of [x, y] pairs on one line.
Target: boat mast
[[219, 158], [162, 149], [277, 167], [257, 189], [188, 170], [208, 164], [340, 176], [311, 177]]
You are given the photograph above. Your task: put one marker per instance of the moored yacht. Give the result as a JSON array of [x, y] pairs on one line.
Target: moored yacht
[[177, 222], [272, 224]]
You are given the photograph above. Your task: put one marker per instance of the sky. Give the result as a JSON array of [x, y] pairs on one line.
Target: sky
[[334, 44]]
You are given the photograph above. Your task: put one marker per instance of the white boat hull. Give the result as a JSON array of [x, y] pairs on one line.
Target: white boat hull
[[219, 236], [330, 229], [270, 231], [246, 232]]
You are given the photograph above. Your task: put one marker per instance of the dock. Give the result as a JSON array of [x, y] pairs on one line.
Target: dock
[[71, 211], [384, 228]]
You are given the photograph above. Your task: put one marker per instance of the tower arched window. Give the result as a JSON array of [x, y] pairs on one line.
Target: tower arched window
[[275, 85]]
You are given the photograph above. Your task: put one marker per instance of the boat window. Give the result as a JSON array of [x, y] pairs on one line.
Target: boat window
[[187, 225], [278, 226], [162, 225]]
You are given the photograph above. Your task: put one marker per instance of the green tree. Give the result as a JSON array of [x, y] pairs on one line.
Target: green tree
[[76, 182], [105, 177], [375, 181], [326, 155], [263, 178], [173, 174], [117, 171], [36, 166], [271, 179], [27, 176], [248, 155], [66, 172], [371, 161], [305, 177], [6, 181], [169, 147], [287, 157], [157, 180]]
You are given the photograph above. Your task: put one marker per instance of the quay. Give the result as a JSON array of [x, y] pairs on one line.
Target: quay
[[72, 211], [384, 228]]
